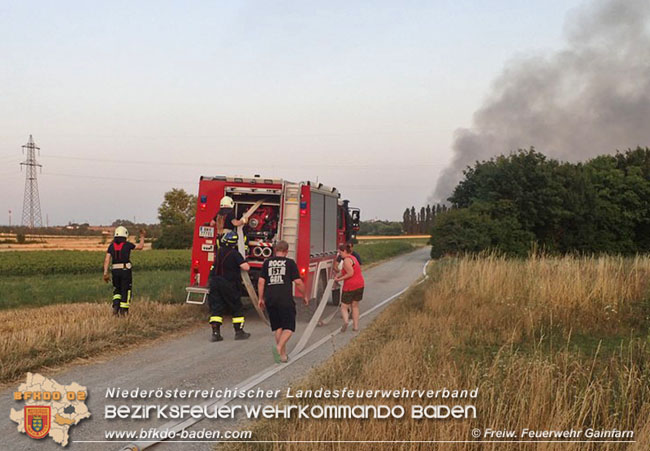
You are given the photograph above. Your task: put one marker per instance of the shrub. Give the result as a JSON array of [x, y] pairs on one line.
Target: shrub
[[467, 230], [177, 236]]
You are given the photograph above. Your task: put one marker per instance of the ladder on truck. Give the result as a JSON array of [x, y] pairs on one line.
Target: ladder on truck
[[290, 216]]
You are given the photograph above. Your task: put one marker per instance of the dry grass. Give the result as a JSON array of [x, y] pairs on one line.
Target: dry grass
[[393, 237], [58, 242], [551, 344], [31, 339]]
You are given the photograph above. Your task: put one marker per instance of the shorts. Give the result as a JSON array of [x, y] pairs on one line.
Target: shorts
[[282, 317], [350, 296]]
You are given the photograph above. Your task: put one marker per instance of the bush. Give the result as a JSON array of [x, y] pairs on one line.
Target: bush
[[175, 237], [20, 238], [388, 228], [468, 230], [599, 206]]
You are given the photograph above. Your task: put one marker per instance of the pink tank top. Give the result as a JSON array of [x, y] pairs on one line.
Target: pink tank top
[[356, 281]]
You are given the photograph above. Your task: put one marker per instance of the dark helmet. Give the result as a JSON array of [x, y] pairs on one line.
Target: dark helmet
[[230, 239]]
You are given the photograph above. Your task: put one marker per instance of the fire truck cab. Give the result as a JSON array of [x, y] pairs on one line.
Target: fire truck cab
[[311, 217]]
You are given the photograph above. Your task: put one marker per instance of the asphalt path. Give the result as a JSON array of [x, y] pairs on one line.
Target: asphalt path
[[191, 361]]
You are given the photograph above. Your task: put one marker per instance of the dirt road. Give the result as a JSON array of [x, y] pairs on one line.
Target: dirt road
[[192, 362]]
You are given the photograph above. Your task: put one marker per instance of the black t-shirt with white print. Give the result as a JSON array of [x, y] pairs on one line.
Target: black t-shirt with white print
[[279, 274]]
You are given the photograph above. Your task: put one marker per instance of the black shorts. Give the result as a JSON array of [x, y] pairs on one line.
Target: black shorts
[[282, 317], [351, 296]]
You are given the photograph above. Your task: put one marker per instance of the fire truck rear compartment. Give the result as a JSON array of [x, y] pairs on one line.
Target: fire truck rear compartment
[[263, 224]]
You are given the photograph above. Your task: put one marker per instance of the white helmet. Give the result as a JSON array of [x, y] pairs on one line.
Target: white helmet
[[121, 232], [227, 202]]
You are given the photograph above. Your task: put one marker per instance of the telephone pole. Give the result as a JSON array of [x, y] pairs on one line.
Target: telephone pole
[[31, 204]]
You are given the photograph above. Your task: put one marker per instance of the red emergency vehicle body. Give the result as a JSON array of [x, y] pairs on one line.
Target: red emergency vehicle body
[[310, 217]]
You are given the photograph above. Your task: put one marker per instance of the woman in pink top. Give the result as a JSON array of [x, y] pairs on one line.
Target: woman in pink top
[[353, 284]]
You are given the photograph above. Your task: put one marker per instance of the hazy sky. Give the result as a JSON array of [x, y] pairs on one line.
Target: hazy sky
[[130, 99]]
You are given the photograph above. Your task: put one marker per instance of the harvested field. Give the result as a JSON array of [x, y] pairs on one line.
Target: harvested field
[[550, 343]]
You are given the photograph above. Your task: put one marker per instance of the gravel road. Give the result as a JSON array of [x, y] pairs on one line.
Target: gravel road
[[192, 362]]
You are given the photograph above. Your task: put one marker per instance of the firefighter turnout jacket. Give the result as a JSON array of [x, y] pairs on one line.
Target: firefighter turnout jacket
[[120, 252], [225, 279]]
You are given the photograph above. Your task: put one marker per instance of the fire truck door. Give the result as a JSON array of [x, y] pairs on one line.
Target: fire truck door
[[341, 235]]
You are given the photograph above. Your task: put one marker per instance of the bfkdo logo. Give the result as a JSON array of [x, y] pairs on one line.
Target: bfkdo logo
[[50, 409], [37, 421]]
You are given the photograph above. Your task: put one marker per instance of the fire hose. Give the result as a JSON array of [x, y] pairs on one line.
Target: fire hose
[[315, 320], [244, 274]]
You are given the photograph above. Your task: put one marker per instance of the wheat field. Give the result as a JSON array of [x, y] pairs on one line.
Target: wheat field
[[38, 338], [551, 343]]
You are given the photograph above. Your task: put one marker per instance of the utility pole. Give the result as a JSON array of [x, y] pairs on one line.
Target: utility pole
[[31, 203], [9, 218]]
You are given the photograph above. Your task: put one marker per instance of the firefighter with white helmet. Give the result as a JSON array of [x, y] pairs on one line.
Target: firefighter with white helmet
[[118, 257], [227, 202], [225, 220], [225, 282]]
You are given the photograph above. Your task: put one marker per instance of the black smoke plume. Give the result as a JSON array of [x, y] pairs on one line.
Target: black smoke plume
[[591, 98]]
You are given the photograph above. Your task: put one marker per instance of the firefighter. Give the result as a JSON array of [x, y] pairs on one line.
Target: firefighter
[[225, 280], [118, 257], [225, 220]]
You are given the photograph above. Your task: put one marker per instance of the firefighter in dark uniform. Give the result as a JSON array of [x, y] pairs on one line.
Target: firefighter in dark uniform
[[118, 257], [225, 220], [225, 280]]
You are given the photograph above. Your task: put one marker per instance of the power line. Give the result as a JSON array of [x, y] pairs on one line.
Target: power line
[[350, 166], [148, 163], [125, 179], [250, 136], [195, 182]]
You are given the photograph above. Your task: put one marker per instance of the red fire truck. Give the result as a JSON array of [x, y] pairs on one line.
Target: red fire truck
[[311, 217]]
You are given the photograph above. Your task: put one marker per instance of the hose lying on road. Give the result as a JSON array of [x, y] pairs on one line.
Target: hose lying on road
[[315, 319], [177, 426]]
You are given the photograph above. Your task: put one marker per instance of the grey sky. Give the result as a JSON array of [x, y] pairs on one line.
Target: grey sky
[[129, 99]]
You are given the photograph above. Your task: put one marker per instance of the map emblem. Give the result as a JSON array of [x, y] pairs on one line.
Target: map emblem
[[45, 408], [37, 423]]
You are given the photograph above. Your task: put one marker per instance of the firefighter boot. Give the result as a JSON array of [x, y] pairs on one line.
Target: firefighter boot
[[216, 333], [116, 311], [239, 332]]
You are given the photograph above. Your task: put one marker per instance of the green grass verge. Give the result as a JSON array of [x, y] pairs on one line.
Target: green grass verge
[[375, 251], [37, 291], [17, 263]]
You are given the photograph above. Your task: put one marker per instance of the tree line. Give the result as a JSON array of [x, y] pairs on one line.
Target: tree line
[[523, 200], [420, 223]]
